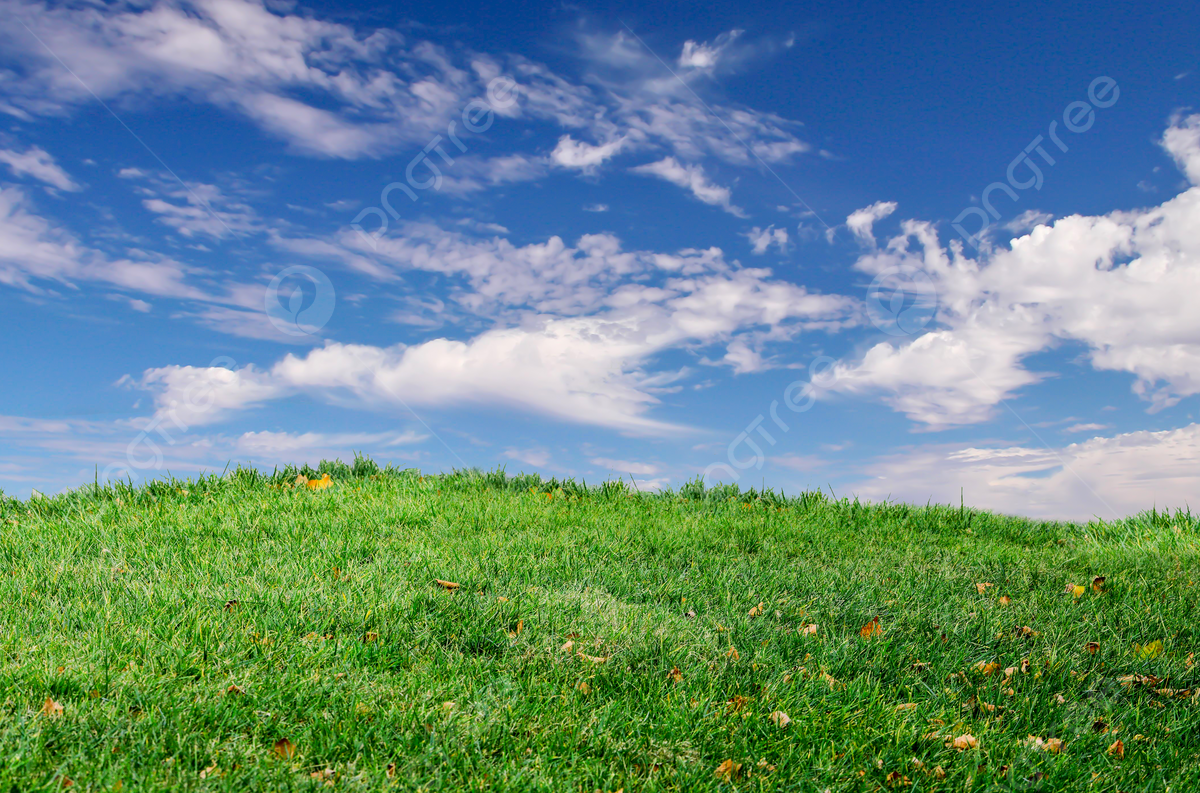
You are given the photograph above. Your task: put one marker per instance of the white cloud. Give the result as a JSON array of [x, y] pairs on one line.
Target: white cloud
[[596, 208], [36, 162], [1090, 427], [32, 250], [1105, 477], [1182, 141], [762, 239], [580, 325], [626, 466], [692, 178], [1027, 220], [1120, 284], [582, 156], [706, 56], [537, 457], [861, 221]]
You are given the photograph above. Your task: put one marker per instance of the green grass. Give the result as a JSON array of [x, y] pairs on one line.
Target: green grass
[[137, 609]]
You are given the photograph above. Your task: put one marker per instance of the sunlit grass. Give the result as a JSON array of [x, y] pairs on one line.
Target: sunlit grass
[[245, 633]]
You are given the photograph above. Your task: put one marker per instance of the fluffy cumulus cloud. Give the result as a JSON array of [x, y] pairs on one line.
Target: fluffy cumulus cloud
[[1106, 477], [691, 177], [1119, 284], [582, 156], [762, 239], [580, 328], [862, 221]]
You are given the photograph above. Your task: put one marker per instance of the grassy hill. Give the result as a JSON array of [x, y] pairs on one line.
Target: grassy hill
[[383, 630]]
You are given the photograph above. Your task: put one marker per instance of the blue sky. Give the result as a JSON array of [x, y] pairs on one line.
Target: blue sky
[[745, 243]]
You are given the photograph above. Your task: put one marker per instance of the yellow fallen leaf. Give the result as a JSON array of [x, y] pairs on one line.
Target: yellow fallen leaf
[[1076, 590], [319, 484], [595, 659], [809, 630], [1092, 647], [1150, 650], [981, 588], [732, 654], [446, 584], [871, 629], [583, 687], [728, 771], [52, 709], [1005, 600], [965, 741], [987, 669], [756, 611], [675, 676], [780, 719], [1117, 749], [906, 706]]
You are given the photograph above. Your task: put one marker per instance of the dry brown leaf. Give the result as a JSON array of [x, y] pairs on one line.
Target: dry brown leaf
[[986, 668], [939, 772], [830, 680], [1100, 726], [1059, 699], [981, 588], [584, 687], [568, 647], [1092, 647], [732, 654], [871, 629], [965, 741], [780, 719], [809, 630], [595, 659], [446, 584], [284, 749], [756, 611], [1005, 600], [675, 676], [906, 706], [230, 605], [391, 771], [235, 689], [1098, 584], [210, 771], [52, 709], [728, 771], [1024, 666], [736, 703], [1117, 748], [370, 637]]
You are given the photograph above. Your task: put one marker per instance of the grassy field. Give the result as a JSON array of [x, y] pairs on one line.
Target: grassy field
[[245, 633]]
